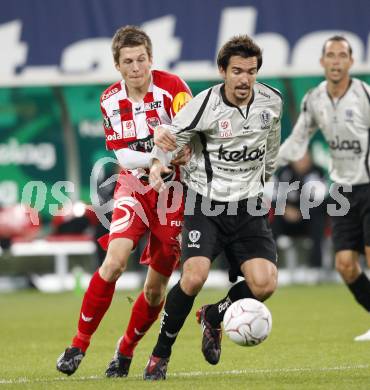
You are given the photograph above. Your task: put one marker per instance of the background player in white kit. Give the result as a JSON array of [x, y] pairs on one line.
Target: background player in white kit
[[340, 108]]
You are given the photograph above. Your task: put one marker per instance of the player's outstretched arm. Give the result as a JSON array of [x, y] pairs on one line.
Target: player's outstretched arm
[[295, 146], [272, 149], [132, 159]]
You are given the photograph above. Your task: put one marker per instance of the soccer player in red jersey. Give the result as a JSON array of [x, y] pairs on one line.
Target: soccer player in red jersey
[[132, 108]]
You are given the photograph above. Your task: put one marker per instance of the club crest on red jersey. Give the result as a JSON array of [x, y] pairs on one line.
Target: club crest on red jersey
[[153, 122]]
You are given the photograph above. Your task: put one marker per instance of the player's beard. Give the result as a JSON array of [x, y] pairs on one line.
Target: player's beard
[[242, 93]]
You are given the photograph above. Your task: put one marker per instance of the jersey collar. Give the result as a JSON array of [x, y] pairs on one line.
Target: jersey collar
[[228, 103], [345, 92]]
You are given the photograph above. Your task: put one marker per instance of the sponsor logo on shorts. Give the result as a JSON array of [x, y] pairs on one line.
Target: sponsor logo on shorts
[[129, 207], [194, 236]]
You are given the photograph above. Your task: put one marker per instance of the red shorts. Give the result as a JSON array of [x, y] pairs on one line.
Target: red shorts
[[138, 209]]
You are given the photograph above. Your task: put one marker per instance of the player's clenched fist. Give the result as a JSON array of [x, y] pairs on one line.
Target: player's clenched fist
[[164, 139], [182, 157]]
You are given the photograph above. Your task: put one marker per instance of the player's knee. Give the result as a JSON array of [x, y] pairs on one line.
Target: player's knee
[[154, 295], [263, 288], [346, 267], [194, 275], [340, 265], [113, 267], [192, 283]]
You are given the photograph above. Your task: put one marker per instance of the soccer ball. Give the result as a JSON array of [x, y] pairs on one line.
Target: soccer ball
[[247, 322]]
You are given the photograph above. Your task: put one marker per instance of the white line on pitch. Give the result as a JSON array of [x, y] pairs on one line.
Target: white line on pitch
[[193, 374], [269, 371]]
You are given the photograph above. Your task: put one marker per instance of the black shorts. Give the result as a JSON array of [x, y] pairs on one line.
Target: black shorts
[[242, 237], [352, 231]]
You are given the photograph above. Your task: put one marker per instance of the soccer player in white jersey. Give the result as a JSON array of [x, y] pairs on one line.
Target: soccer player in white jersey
[[340, 108], [131, 108], [236, 136]]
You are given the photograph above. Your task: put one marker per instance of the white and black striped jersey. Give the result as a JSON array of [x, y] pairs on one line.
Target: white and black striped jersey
[[234, 148], [345, 124]]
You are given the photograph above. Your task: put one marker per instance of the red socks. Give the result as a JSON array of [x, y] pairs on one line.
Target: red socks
[[96, 302], [142, 318]]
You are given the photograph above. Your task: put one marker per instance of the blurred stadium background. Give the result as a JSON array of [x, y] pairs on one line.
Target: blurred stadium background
[[56, 61]]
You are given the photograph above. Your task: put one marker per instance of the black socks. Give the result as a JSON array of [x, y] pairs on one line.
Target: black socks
[[360, 288], [215, 313], [177, 307]]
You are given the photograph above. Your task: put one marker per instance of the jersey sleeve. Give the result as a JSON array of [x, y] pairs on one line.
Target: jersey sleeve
[[181, 96], [367, 101], [107, 126], [185, 125], [272, 146], [189, 120], [295, 146], [132, 159], [112, 140]]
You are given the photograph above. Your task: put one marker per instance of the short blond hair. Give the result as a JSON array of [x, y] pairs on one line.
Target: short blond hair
[[130, 36]]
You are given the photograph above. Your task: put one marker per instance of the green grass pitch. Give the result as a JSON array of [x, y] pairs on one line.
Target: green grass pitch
[[311, 345]]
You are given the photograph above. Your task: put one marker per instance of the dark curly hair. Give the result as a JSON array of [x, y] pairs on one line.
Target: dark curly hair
[[240, 45]]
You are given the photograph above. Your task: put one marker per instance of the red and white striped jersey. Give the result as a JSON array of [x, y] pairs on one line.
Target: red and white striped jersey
[[130, 124]]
